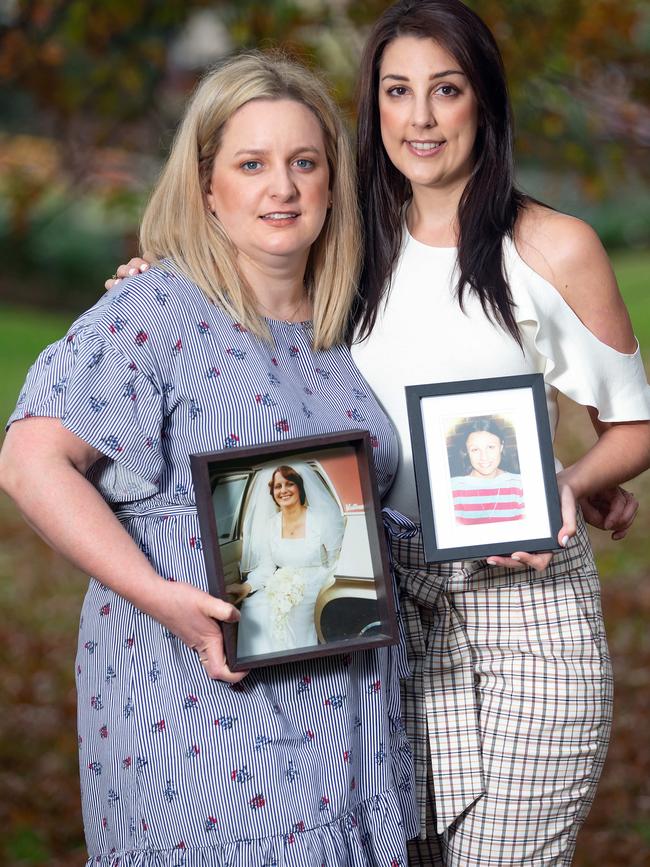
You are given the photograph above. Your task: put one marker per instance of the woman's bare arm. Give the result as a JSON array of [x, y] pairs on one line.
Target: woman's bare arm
[[42, 467]]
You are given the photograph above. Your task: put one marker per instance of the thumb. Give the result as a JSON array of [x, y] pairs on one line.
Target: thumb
[[568, 507], [221, 610]]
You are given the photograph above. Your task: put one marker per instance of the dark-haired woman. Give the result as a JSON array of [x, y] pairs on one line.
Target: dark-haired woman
[[509, 705], [488, 492]]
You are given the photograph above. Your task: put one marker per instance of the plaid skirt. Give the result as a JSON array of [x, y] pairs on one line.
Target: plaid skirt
[[509, 704]]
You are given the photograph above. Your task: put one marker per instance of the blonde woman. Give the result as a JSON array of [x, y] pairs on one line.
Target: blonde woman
[[234, 337]]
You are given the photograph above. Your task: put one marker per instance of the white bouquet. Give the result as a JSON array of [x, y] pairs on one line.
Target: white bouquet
[[284, 591]]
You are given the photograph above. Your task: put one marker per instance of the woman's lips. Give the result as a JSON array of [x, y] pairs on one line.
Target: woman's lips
[[424, 149], [280, 218]]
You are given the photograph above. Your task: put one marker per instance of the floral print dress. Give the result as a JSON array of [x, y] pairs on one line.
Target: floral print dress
[[301, 764]]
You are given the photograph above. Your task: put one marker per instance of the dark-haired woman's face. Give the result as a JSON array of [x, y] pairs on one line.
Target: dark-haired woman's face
[[484, 450], [285, 492], [428, 113]]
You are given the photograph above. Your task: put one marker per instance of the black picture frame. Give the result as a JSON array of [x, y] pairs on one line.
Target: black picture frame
[[355, 607], [471, 508]]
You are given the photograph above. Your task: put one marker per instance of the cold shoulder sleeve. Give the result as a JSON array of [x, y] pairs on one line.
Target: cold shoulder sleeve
[[108, 399], [573, 359]]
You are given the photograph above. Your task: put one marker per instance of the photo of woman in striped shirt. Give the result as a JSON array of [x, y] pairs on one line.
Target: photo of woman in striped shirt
[[490, 488]]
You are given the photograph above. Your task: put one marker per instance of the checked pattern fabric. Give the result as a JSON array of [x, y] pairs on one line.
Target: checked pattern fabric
[[509, 704]]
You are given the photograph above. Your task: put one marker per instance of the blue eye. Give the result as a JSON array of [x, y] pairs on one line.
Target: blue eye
[[251, 165], [304, 163]]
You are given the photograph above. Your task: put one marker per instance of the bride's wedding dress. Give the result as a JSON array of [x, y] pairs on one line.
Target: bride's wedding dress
[[279, 613]]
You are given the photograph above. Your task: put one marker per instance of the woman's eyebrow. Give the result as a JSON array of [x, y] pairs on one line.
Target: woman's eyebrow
[[432, 77], [261, 152]]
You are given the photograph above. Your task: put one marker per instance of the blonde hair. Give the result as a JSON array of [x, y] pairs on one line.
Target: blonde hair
[[178, 224]]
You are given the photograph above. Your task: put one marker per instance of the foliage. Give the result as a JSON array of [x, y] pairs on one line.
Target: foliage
[[90, 92]]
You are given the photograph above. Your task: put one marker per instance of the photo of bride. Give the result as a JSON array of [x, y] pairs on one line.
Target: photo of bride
[[292, 534]]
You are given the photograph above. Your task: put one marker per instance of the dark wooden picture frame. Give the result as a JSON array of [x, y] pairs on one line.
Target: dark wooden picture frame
[[355, 607], [473, 505]]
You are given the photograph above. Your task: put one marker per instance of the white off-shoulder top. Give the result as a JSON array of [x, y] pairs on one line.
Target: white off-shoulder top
[[423, 336]]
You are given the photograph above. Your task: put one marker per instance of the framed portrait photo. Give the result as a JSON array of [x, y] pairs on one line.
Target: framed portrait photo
[[484, 467], [292, 535]]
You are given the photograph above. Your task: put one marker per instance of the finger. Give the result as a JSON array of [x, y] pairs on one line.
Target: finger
[[134, 266], [591, 514], [569, 517], [523, 560], [214, 662], [539, 562], [627, 518], [504, 562], [616, 510], [627, 513], [108, 284]]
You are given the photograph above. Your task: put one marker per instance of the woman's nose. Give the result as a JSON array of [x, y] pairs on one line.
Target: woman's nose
[[281, 185], [422, 116]]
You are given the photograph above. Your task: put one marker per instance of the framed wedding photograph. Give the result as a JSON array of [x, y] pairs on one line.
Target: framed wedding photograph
[[484, 467], [292, 534]]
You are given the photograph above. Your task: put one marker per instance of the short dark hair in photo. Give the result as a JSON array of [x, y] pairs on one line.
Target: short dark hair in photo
[[291, 475]]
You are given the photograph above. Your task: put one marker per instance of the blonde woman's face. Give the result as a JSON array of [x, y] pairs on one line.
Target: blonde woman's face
[[270, 182]]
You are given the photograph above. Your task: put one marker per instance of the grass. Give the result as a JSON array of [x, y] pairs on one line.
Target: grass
[[23, 333], [633, 272]]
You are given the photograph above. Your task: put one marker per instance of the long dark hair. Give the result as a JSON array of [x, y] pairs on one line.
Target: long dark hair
[[459, 461], [490, 202]]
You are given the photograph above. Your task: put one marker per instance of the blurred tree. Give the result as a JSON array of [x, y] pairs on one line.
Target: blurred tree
[[88, 75], [100, 82]]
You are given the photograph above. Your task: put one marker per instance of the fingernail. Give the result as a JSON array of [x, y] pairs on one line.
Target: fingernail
[[491, 561], [117, 280], [144, 266], [565, 541], [132, 271], [515, 557]]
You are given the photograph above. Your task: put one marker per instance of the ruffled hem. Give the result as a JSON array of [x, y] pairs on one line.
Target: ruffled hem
[[372, 834]]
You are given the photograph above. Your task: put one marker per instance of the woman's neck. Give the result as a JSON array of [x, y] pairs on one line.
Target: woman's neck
[[293, 512], [432, 216], [278, 286], [293, 521]]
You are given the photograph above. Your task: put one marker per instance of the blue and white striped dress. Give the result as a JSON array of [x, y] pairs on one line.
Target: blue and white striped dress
[[302, 764]]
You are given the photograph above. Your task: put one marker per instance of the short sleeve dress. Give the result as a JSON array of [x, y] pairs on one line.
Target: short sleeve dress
[[302, 764]]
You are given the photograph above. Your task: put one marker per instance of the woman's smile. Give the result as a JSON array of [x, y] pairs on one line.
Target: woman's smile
[[425, 148]]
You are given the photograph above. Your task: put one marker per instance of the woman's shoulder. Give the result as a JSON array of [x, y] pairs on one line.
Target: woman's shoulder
[[157, 291], [567, 253]]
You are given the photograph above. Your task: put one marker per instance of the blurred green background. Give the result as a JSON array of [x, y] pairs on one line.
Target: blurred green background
[[89, 97]]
